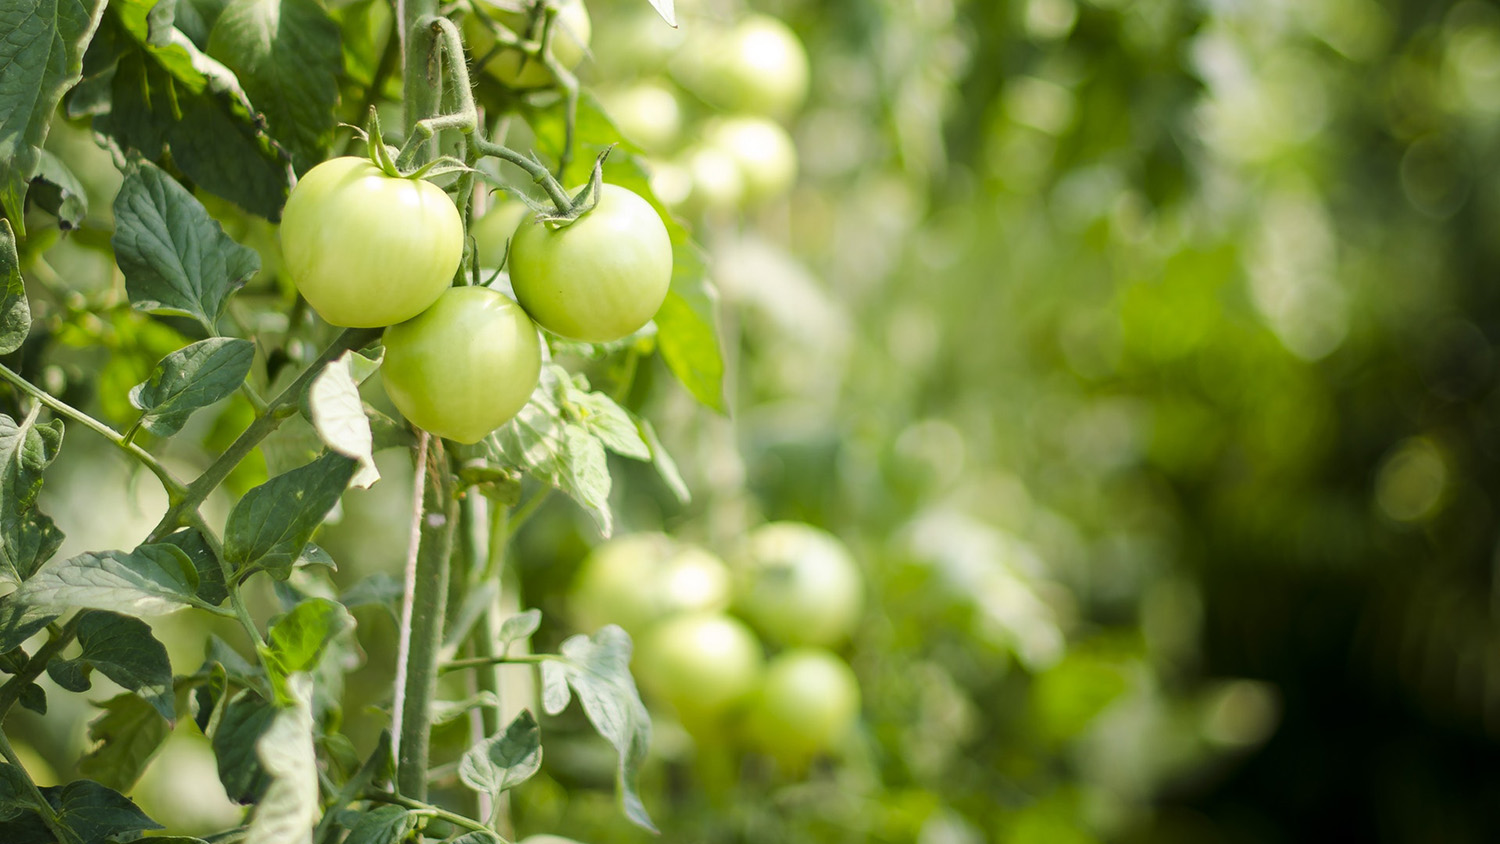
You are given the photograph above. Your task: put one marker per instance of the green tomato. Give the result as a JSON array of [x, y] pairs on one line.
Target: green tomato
[[465, 366], [571, 32], [493, 231], [646, 113], [799, 585], [717, 181], [807, 702], [367, 250], [703, 665], [763, 152], [759, 67], [599, 278], [637, 580]]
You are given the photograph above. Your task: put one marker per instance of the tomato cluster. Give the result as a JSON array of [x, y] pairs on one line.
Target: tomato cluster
[[370, 250], [698, 627]]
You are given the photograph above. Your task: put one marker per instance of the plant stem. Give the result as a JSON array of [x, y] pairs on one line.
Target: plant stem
[[215, 547], [43, 808], [175, 488], [481, 662], [11, 692], [421, 80], [423, 808], [429, 608], [263, 425]]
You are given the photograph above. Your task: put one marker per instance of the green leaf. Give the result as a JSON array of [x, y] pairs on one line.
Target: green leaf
[[97, 814], [245, 719], [666, 10], [598, 670], [190, 378], [27, 538], [15, 311], [176, 258], [41, 56], [129, 733], [504, 761], [57, 191], [666, 467], [288, 810], [287, 56], [124, 650], [297, 640], [600, 416], [519, 627], [381, 825], [541, 441], [152, 89], [14, 796], [151, 580], [211, 587], [196, 18], [20, 621], [338, 415], [269, 526]]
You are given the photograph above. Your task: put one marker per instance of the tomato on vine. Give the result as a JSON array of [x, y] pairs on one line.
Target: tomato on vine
[[808, 700], [702, 664], [799, 585], [635, 581], [366, 249], [599, 278], [759, 67], [463, 367]]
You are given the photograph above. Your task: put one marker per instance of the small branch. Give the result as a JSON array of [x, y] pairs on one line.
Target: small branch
[[237, 601], [175, 488], [539, 174], [276, 410], [44, 809], [409, 589], [61, 637], [421, 808], [481, 662]]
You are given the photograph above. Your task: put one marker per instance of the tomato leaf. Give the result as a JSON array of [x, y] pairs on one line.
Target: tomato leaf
[[151, 580], [189, 378], [287, 56], [544, 442], [94, 813], [27, 536], [338, 415], [288, 809], [176, 258], [41, 56], [600, 416], [381, 825], [269, 527], [152, 89], [124, 650], [57, 191], [211, 588], [15, 311], [298, 640], [666, 467], [598, 669], [519, 628], [129, 733], [20, 621], [666, 10], [504, 761], [246, 718]]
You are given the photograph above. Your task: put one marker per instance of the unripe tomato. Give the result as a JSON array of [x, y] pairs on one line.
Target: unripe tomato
[[759, 66], [799, 585], [761, 149], [703, 665], [493, 231], [599, 278], [808, 701], [717, 181], [640, 579], [571, 32], [367, 250], [464, 366], [647, 115]]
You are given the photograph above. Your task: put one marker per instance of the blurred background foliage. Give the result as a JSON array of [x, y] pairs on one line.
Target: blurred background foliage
[[1140, 352]]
